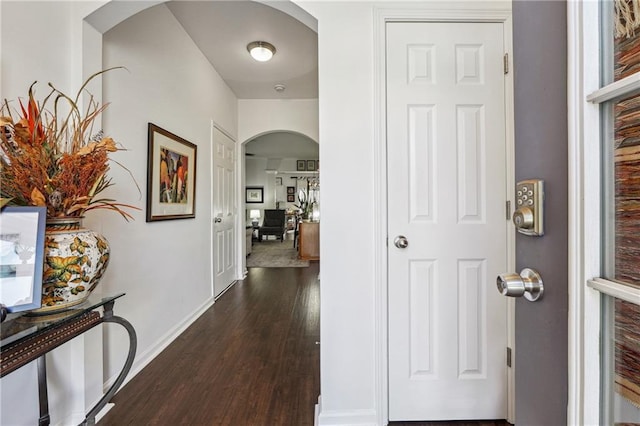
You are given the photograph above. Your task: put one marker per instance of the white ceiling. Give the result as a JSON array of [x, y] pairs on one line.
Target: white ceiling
[[222, 30]]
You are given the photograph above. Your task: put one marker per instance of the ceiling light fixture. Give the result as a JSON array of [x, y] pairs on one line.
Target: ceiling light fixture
[[279, 88], [261, 50]]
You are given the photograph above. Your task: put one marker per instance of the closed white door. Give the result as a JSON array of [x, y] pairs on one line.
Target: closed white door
[[447, 194], [224, 211]]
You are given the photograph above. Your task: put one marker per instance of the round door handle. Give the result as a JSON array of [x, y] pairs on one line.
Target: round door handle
[[528, 284], [401, 242], [217, 220]]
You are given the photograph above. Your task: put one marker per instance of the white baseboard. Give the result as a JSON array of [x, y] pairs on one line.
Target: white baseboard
[[145, 358], [344, 418], [226, 289], [104, 411]]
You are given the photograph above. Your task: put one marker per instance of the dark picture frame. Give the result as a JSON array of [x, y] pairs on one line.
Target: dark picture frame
[[254, 195], [301, 165], [291, 198], [291, 190], [311, 165], [21, 269], [171, 176]]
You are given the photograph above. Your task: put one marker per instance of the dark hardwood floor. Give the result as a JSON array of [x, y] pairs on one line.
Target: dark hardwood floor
[[458, 423], [252, 359]]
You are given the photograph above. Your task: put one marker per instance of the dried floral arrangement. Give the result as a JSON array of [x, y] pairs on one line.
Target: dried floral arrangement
[[55, 159]]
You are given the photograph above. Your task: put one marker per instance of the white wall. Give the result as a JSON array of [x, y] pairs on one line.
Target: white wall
[[347, 353], [164, 267], [256, 175], [259, 116], [20, 69]]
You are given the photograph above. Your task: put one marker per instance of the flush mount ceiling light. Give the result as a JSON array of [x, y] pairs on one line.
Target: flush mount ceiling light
[[261, 50]]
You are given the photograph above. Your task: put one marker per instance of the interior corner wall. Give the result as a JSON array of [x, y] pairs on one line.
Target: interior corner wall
[[346, 105]]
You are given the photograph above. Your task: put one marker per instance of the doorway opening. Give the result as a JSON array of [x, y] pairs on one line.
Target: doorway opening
[[282, 189]]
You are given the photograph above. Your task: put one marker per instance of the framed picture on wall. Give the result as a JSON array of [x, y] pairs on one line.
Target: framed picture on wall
[[291, 190], [254, 194], [311, 165], [301, 165], [171, 176], [291, 198]]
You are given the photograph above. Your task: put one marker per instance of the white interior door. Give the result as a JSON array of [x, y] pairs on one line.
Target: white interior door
[[446, 195], [224, 211]]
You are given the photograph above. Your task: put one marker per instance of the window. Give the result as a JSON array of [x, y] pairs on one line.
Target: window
[[619, 100]]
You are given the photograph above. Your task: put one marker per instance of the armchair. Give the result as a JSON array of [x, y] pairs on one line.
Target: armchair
[[273, 224]]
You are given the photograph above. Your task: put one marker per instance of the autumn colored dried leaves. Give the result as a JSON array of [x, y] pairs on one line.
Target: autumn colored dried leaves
[[55, 159]]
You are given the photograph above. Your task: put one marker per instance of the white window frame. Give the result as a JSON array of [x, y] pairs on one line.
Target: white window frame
[[585, 287]]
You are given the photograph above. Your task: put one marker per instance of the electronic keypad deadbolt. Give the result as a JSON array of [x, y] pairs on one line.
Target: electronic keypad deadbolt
[[529, 215], [528, 284]]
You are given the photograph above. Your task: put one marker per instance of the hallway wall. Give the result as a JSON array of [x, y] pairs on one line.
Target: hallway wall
[[170, 83]]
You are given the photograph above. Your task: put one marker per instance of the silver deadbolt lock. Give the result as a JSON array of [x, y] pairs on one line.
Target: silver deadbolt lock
[[528, 284]]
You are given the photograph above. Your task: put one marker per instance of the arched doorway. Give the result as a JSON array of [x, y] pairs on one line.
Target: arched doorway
[[283, 166]]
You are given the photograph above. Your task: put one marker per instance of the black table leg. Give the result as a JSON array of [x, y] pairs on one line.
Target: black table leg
[[108, 316], [43, 396]]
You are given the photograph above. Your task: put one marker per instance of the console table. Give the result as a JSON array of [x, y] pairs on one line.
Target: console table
[[309, 245], [31, 337]]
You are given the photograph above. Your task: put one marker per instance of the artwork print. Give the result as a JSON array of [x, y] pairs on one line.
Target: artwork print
[[171, 176], [174, 175]]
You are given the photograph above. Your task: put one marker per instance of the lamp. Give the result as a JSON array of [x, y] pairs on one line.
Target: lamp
[[255, 217], [261, 51]]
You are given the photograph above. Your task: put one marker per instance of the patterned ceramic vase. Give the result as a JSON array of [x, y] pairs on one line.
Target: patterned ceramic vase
[[75, 260]]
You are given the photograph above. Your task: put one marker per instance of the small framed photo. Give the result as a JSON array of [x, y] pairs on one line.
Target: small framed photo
[[171, 176], [311, 165], [254, 194], [291, 190], [301, 165], [291, 198], [279, 181], [22, 257]]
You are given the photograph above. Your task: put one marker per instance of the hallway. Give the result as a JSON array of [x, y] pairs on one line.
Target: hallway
[[250, 360]]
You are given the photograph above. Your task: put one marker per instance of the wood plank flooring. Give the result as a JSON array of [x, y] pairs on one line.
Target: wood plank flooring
[[458, 423], [250, 360]]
